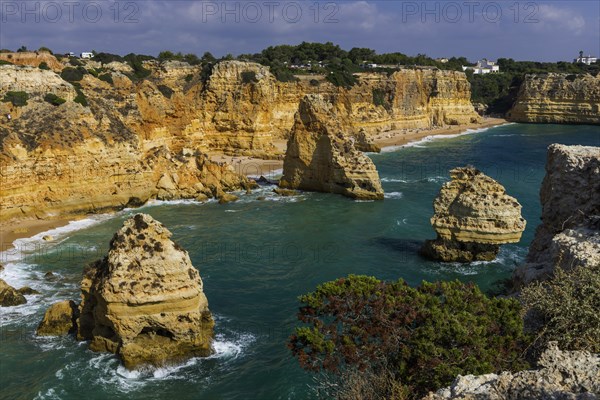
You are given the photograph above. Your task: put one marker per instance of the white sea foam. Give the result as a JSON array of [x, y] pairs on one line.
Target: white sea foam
[[394, 180], [393, 195], [430, 138]]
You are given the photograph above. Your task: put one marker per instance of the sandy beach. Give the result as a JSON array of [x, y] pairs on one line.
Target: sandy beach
[[248, 166], [405, 136]]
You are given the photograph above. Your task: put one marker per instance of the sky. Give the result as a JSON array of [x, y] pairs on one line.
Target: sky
[[523, 30]]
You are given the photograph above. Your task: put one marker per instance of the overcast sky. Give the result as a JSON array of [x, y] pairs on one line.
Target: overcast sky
[[540, 30]]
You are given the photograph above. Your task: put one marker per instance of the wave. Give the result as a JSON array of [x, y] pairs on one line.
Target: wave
[[420, 143], [393, 195], [434, 179]]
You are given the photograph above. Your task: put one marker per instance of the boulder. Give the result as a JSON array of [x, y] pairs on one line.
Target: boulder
[[26, 290], [227, 198], [9, 296], [286, 192], [473, 216], [320, 157], [60, 319], [144, 301]]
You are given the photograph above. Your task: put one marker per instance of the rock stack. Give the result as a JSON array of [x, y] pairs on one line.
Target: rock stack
[[321, 158], [143, 301], [473, 216]]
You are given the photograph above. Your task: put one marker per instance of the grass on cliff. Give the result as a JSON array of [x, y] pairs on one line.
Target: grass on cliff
[[565, 309], [18, 99], [374, 339]]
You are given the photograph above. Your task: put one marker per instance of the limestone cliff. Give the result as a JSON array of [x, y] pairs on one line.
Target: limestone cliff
[[143, 301], [558, 99], [562, 375], [473, 215], [127, 140], [320, 157], [569, 234]]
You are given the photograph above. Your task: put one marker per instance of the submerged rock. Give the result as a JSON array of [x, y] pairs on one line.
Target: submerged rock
[[321, 158], [286, 192], [473, 216], [563, 375], [569, 235], [144, 301], [26, 290], [9, 296], [59, 319]]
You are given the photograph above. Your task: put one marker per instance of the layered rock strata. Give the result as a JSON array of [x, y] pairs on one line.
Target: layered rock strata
[[562, 375], [569, 234], [558, 99], [473, 216], [114, 146], [320, 157], [144, 301]]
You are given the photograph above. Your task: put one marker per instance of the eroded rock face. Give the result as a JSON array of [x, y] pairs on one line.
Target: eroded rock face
[[558, 98], [9, 296], [144, 301], [563, 375], [473, 216], [321, 158], [569, 235]]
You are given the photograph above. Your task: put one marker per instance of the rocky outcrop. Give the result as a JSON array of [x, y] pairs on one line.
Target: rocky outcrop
[[139, 139], [562, 375], [320, 157], [569, 234], [144, 301], [558, 99], [9, 296], [473, 216], [59, 319]]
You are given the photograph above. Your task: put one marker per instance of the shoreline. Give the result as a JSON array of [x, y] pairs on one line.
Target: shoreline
[[248, 166]]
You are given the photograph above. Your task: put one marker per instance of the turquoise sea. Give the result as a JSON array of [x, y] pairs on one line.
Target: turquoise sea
[[256, 258]]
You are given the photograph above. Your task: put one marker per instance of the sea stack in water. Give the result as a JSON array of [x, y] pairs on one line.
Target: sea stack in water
[[144, 301], [321, 158], [473, 216]]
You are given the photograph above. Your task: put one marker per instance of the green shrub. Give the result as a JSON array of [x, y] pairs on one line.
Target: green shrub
[[92, 72], [54, 99], [107, 77], [379, 97], [189, 77], [314, 82], [70, 74], [166, 91], [80, 98], [342, 78], [4, 62], [18, 99], [74, 61], [43, 65], [135, 61], [249, 77], [45, 49], [565, 309], [424, 336]]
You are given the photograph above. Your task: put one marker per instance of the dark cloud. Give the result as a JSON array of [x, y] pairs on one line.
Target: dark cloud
[[545, 30]]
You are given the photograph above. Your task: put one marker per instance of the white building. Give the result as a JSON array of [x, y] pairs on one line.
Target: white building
[[589, 60], [483, 66], [87, 55]]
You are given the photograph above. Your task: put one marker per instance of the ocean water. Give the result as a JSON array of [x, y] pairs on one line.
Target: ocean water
[[256, 258]]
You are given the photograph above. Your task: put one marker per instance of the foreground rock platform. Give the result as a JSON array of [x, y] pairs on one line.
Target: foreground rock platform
[[473, 216], [144, 301]]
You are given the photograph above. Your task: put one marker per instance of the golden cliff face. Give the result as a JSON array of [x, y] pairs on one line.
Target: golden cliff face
[[558, 99], [117, 150]]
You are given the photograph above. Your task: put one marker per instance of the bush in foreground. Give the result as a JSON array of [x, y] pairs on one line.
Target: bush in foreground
[[565, 309], [54, 99], [412, 339]]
